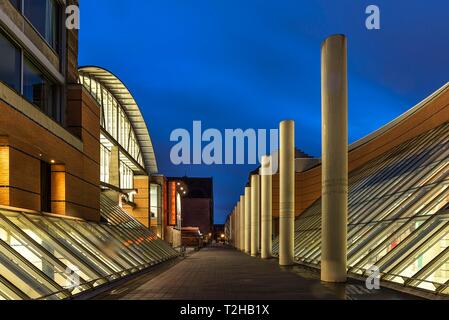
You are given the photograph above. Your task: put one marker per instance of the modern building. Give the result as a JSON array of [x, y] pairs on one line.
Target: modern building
[[198, 204], [127, 158], [76, 163], [398, 200]]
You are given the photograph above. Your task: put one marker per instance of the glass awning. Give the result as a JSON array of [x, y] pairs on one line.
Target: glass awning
[[398, 216], [48, 257]]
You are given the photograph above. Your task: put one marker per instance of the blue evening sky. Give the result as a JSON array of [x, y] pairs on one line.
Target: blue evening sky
[[252, 63]]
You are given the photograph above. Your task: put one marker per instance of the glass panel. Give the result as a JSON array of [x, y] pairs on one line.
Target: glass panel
[[105, 160], [29, 280], [156, 206], [39, 90], [440, 275], [41, 254], [422, 256], [43, 15], [36, 252], [94, 261], [398, 215], [126, 177], [81, 234], [9, 63]]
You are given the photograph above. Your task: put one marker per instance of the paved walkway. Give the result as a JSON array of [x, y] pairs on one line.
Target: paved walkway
[[221, 273]]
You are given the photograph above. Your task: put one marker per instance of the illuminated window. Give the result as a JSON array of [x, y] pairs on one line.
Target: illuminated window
[[9, 63], [29, 80], [126, 177], [105, 160], [114, 119], [17, 4]]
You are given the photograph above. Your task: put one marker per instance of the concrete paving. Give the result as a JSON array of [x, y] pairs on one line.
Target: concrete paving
[[222, 273]]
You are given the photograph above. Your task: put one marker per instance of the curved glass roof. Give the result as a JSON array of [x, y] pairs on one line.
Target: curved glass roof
[[127, 126], [398, 216], [46, 257]]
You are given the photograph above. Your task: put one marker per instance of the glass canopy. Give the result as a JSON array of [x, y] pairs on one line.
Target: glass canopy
[[48, 257], [114, 121], [398, 216]]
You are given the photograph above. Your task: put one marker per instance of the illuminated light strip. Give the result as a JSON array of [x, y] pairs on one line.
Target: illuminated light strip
[[172, 218]]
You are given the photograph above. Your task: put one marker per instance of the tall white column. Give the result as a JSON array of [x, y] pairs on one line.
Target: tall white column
[[242, 223], [255, 215], [266, 208], [335, 159], [248, 220], [287, 193]]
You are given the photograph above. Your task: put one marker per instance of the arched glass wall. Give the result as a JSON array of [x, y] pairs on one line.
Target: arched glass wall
[[113, 118]]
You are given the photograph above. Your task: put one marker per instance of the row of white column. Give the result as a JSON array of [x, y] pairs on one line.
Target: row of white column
[[254, 237]]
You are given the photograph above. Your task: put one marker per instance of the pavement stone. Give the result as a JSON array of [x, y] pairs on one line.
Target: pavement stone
[[223, 273]]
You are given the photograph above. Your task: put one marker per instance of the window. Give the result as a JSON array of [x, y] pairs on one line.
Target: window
[[105, 159], [32, 83], [126, 177], [114, 119], [9, 64], [156, 202], [398, 215], [39, 90], [43, 15], [96, 252]]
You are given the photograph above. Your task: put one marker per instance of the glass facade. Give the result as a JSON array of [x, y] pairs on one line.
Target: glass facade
[[45, 257], [126, 177], [39, 90], [10, 63], [113, 119], [156, 208], [44, 16], [105, 160], [117, 131], [398, 216], [25, 77]]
